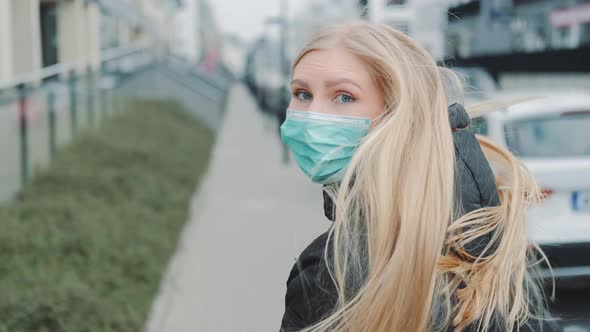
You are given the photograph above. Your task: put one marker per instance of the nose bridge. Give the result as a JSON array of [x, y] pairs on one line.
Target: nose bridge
[[316, 105], [319, 103]]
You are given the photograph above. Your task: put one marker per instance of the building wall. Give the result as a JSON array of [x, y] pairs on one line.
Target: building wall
[[71, 31], [79, 30], [78, 35], [5, 40], [92, 37], [109, 31], [189, 37], [534, 32], [479, 33], [461, 37], [430, 33], [425, 21], [125, 34], [26, 39], [503, 27]]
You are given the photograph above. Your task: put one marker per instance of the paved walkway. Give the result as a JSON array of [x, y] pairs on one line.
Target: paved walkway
[[248, 222]]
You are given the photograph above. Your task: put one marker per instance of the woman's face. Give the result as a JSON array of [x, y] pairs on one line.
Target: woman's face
[[335, 81]]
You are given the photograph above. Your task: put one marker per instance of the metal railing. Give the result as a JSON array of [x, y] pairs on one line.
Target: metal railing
[[41, 110]]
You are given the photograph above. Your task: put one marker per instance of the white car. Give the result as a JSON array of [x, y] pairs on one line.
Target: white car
[[551, 136]]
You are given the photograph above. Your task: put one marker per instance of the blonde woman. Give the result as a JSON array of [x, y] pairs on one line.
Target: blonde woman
[[425, 237]]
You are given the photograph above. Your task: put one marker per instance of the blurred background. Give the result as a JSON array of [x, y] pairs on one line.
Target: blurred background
[[143, 184]]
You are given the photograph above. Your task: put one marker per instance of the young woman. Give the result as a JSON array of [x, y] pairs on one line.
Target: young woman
[[426, 235]]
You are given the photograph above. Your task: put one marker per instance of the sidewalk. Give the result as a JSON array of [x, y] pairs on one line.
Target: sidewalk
[[248, 222]]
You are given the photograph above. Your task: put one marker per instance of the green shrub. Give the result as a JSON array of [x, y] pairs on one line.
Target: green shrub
[[84, 245]]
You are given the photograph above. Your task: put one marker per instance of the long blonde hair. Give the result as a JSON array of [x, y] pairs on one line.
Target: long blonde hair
[[398, 256]]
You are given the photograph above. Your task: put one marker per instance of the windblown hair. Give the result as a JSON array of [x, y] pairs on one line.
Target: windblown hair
[[397, 253]]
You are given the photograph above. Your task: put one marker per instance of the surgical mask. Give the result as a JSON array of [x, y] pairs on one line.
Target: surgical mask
[[323, 144]]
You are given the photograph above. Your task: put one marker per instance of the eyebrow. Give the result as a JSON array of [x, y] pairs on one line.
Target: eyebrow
[[335, 82], [328, 83], [300, 82]]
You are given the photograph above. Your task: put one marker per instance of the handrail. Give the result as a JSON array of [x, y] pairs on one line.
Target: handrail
[[65, 68]]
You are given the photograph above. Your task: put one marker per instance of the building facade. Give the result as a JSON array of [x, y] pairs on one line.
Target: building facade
[[36, 34], [478, 27]]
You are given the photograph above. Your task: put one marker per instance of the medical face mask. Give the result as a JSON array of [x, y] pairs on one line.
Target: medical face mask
[[323, 144]]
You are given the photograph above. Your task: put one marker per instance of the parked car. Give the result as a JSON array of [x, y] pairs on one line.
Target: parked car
[[551, 136]]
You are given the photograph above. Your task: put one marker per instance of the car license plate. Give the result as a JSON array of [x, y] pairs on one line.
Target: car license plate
[[581, 201]]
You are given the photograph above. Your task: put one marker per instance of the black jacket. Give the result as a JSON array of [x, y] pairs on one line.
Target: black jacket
[[311, 294]]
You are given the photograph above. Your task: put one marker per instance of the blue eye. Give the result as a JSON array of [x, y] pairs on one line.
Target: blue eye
[[344, 99], [303, 95]]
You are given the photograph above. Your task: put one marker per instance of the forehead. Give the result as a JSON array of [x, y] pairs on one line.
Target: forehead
[[332, 63]]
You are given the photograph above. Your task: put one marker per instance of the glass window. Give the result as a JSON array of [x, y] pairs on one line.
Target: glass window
[[563, 135]]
